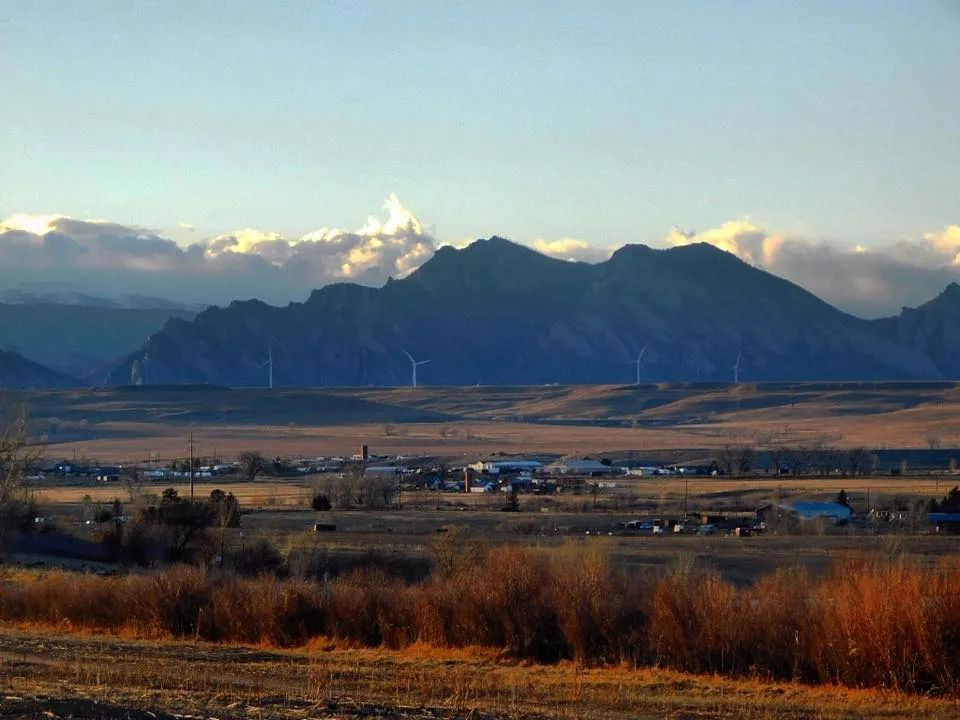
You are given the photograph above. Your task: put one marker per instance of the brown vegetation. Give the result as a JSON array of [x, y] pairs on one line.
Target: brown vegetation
[[866, 624]]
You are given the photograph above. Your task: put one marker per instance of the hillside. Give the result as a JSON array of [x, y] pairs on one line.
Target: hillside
[[76, 339], [499, 313], [18, 372]]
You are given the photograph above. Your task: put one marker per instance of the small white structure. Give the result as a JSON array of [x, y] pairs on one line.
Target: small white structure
[[496, 467]]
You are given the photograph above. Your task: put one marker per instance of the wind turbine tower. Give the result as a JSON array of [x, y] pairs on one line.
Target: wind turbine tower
[[736, 369], [413, 365], [639, 361], [268, 363]]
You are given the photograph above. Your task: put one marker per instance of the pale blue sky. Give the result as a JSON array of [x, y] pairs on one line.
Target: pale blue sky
[[608, 121]]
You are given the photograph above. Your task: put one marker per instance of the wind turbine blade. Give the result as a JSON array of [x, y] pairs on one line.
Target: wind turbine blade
[[424, 362]]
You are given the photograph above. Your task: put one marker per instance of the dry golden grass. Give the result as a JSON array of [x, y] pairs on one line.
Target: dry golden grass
[[328, 681], [279, 494], [250, 495], [133, 425]]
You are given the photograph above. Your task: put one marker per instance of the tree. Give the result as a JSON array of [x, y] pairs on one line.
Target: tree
[[176, 525], [736, 455], [320, 502], [949, 504], [226, 509], [842, 498], [252, 463], [16, 456], [858, 461], [132, 478]]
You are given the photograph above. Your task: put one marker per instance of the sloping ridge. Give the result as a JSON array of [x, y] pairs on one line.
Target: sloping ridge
[[18, 372]]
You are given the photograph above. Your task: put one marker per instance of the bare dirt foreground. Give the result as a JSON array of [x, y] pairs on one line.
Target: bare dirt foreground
[[70, 676]]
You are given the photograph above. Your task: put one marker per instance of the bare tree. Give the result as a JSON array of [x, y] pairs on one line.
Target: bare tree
[[252, 463], [933, 441], [132, 477], [736, 455], [16, 456], [824, 455], [858, 461], [349, 487]]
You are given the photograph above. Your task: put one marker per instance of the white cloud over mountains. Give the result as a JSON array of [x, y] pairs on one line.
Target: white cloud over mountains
[[56, 252], [865, 281]]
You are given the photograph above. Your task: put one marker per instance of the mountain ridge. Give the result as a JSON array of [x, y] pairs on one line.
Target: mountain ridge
[[498, 312]]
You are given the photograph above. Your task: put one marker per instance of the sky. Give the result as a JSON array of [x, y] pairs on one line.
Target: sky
[[819, 140]]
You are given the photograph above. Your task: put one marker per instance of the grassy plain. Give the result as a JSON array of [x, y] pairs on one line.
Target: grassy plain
[[135, 423]]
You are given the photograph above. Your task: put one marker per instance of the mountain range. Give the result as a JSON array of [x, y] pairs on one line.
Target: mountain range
[[498, 313]]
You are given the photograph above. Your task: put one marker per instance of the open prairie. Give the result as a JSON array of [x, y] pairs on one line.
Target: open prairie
[[136, 422]]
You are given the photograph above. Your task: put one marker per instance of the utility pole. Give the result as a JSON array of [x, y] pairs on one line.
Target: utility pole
[[686, 493], [191, 466]]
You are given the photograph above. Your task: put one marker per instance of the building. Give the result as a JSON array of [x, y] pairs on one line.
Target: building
[[497, 467], [577, 466]]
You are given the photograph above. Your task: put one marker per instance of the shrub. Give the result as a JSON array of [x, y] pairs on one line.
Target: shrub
[[863, 625]]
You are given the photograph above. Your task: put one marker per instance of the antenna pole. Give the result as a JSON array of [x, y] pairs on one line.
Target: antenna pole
[[191, 466]]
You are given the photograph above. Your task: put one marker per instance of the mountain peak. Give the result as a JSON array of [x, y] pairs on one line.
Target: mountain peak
[[951, 291], [948, 297], [491, 257]]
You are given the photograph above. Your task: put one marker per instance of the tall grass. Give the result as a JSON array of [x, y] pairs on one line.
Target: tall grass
[[866, 624]]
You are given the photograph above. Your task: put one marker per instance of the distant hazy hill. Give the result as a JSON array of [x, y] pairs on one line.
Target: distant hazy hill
[[500, 313], [84, 341], [18, 372]]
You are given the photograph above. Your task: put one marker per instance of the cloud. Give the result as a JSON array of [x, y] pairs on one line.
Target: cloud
[[572, 249], [97, 257], [59, 252], [866, 281], [740, 237]]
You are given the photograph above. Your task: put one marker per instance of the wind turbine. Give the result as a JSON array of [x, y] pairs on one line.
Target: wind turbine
[[414, 364], [268, 363], [736, 369], [639, 361]]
